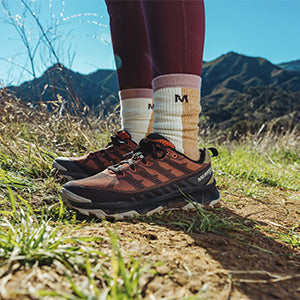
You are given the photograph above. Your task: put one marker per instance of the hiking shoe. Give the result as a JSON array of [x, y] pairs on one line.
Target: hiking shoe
[[95, 162], [154, 179]]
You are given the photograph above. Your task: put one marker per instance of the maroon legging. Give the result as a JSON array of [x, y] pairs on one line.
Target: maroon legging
[[173, 30]]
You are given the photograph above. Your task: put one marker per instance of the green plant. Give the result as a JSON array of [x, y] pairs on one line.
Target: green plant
[[123, 280], [264, 167], [30, 240], [113, 281], [286, 235]]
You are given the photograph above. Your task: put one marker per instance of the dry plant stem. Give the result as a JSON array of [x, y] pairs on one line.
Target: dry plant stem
[[23, 35], [75, 97]]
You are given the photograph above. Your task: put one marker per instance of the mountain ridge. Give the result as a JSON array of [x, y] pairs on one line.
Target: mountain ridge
[[293, 65]]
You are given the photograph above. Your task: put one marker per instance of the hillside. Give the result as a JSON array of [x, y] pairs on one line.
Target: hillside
[[237, 92], [291, 65], [243, 91], [248, 248]]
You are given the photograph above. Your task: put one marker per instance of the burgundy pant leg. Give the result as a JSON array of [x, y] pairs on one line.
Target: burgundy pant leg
[[130, 43], [176, 30]]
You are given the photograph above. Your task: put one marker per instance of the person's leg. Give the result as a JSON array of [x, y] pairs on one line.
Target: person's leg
[[176, 37], [176, 30], [130, 44]]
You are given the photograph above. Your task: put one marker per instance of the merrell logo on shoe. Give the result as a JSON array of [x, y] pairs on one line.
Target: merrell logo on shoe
[[182, 99], [150, 106], [205, 174]]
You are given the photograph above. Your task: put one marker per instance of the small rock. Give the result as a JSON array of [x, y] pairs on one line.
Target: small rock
[[163, 270]]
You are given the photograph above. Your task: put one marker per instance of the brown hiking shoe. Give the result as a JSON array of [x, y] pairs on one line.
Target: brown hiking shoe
[[95, 162], [154, 179]]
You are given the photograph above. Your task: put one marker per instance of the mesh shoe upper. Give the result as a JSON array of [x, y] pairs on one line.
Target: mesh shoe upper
[[155, 173], [95, 162]]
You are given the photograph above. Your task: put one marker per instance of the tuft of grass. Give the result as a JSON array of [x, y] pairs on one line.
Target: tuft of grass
[[199, 220], [208, 221], [29, 240], [291, 237], [118, 280], [286, 235], [123, 280]]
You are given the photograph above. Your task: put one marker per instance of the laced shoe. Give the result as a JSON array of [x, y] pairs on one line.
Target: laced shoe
[[95, 162], [154, 179]]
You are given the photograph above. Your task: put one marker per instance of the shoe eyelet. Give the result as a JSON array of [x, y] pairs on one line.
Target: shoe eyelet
[[133, 170], [120, 175], [172, 154]]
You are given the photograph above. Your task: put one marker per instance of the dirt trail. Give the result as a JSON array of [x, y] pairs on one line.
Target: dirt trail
[[235, 265]]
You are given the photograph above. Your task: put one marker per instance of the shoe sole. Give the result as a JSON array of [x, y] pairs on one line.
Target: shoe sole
[[195, 200]]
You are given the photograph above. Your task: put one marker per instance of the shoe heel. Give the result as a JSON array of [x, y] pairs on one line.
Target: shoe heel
[[207, 198]]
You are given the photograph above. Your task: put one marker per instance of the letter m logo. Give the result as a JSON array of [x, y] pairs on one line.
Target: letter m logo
[[182, 99]]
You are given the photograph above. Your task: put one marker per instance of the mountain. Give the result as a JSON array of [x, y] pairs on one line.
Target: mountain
[[232, 73], [98, 89], [290, 66], [238, 92]]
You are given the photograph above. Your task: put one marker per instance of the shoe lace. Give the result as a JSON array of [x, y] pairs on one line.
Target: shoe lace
[[115, 141], [147, 148]]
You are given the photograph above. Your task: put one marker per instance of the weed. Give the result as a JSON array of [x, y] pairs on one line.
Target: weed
[[123, 281]]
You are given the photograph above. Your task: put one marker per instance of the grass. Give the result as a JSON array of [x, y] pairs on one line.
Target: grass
[[200, 220], [268, 166], [36, 229], [27, 240], [32, 217], [286, 235], [119, 280]]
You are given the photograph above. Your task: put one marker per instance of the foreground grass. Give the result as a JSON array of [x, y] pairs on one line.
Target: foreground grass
[[36, 227]]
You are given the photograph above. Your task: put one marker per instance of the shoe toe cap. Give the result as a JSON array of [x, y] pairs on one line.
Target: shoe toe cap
[[61, 163], [65, 164]]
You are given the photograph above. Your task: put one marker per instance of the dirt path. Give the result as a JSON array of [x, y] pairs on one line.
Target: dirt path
[[245, 264]]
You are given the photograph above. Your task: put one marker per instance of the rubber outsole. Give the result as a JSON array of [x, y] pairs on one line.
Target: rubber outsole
[[70, 199]]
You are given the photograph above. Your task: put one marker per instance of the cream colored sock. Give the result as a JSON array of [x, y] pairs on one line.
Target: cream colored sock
[[176, 111], [137, 112]]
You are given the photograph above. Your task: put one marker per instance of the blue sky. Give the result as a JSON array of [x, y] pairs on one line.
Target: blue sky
[[265, 28]]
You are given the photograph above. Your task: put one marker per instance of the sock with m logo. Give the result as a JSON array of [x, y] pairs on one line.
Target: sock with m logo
[[137, 112], [176, 110]]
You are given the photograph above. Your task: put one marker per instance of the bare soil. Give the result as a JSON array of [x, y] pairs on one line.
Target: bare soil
[[235, 264]]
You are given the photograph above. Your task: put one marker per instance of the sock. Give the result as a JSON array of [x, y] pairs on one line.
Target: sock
[[176, 111], [137, 112]]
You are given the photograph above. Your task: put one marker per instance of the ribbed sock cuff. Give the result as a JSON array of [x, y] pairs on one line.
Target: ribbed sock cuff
[[177, 80]]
